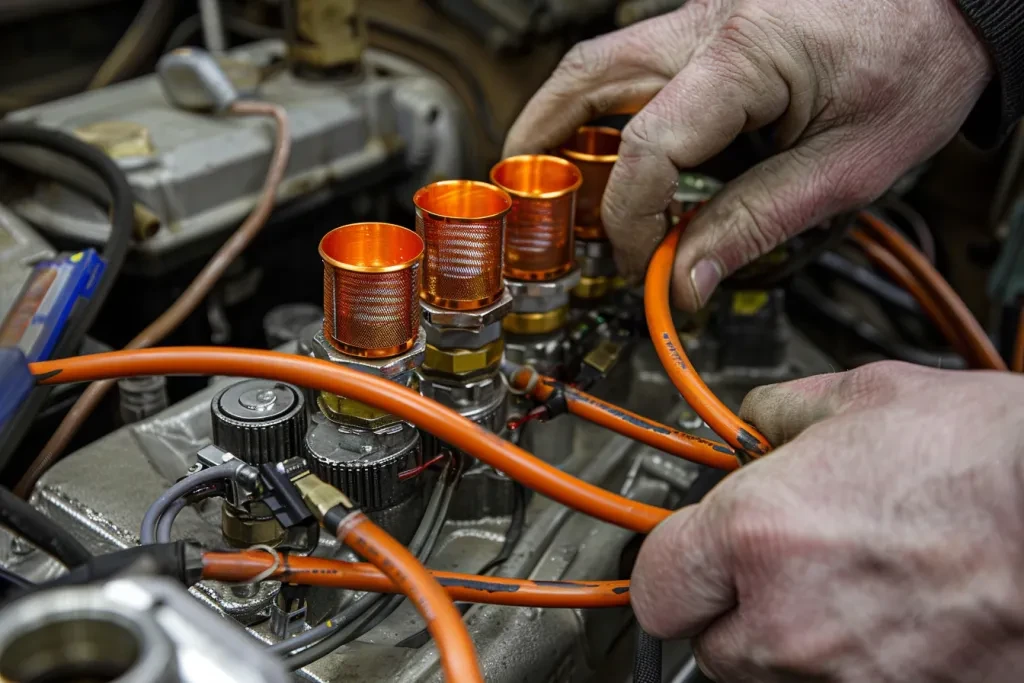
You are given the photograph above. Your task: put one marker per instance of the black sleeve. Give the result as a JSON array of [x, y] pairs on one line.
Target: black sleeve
[[1000, 23]]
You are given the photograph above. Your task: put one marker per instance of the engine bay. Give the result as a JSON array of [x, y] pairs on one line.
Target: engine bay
[[318, 205]]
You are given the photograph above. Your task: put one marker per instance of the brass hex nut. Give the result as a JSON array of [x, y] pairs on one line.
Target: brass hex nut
[[536, 323], [462, 362], [593, 287], [352, 413]]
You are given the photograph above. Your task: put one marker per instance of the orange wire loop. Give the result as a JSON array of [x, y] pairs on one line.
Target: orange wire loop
[[442, 422], [741, 436], [358, 576]]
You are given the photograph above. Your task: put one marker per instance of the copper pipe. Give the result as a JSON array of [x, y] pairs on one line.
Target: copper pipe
[[539, 236], [462, 223], [371, 288], [189, 299], [594, 149]]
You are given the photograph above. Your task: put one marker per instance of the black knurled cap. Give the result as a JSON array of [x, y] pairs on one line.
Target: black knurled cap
[[260, 421]]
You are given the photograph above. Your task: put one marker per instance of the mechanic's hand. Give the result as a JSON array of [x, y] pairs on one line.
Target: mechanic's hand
[[858, 92], [883, 542]]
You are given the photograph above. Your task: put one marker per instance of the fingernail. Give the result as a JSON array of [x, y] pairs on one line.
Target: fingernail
[[705, 276]]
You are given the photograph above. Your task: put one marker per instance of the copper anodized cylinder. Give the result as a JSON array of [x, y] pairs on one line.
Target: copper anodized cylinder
[[594, 149], [371, 288], [462, 223], [539, 237]]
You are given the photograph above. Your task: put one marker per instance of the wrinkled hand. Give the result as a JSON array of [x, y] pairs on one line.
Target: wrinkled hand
[[883, 542], [857, 92]]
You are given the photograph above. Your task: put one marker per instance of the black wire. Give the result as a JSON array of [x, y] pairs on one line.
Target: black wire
[[12, 585], [647, 658], [514, 533], [865, 331], [41, 531], [122, 224]]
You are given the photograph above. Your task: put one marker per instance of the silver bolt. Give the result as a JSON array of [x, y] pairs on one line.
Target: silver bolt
[[245, 591]]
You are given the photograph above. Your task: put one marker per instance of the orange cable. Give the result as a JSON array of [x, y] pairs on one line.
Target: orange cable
[[444, 621], [491, 590], [189, 300], [442, 422], [982, 350], [887, 261], [627, 423], [747, 441]]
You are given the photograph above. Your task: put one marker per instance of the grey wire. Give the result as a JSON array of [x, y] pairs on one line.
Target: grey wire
[[178, 490], [370, 609], [166, 523]]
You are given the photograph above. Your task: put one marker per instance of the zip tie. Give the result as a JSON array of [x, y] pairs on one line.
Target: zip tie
[[269, 571], [530, 385]]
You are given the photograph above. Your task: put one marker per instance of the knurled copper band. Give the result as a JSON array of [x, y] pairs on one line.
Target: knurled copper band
[[371, 287]]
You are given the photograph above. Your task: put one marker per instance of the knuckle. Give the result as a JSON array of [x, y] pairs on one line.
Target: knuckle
[[583, 62], [872, 384]]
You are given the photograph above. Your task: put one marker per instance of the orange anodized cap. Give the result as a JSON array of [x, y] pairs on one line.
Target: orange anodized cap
[[594, 149], [371, 285], [462, 223], [539, 235]]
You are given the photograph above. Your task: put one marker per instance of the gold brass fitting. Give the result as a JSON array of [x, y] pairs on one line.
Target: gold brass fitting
[[348, 411], [319, 496], [244, 528], [464, 361], [593, 287], [536, 323]]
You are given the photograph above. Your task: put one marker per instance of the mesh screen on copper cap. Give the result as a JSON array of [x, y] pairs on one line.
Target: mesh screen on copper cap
[[371, 287], [462, 223], [539, 233], [594, 150]]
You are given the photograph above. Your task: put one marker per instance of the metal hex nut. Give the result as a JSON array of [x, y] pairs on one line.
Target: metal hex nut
[[462, 362], [352, 413], [399, 368], [482, 317], [461, 338], [542, 297]]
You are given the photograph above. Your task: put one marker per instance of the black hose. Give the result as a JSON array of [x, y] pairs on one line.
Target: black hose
[[114, 253], [647, 659], [41, 531]]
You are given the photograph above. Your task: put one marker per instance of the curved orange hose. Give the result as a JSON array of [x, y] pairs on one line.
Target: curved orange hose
[[442, 422], [492, 590], [884, 259], [627, 423], [741, 436], [982, 350], [1018, 347], [444, 621]]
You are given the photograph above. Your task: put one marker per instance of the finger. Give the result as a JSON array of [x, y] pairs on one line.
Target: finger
[[782, 411], [722, 651], [618, 71], [770, 203], [710, 102], [682, 579]]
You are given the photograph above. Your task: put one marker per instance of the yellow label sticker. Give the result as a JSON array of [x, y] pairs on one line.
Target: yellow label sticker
[[748, 303]]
